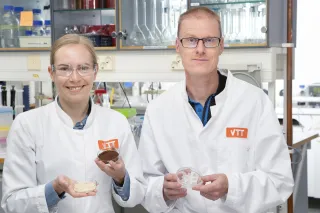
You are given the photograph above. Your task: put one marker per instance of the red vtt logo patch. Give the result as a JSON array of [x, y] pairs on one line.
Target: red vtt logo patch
[[234, 132]]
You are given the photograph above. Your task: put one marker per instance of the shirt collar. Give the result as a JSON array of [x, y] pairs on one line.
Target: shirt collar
[[221, 86]]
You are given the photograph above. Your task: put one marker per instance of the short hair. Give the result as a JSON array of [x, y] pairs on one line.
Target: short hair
[[198, 11], [73, 39]]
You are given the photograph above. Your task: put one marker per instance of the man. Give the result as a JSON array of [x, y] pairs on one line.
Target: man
[[221, 126]]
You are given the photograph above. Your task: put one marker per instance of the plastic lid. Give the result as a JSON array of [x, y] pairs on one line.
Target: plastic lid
[[36, 10], [18, 9], [37, 23], [5, 109], [188, 177], [7, 8], [47, 22], [28, 33]]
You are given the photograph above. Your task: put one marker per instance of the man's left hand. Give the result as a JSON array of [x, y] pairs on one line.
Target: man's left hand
[[214, 186]]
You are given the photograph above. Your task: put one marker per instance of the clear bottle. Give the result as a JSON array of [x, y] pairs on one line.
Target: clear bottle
[[9, 27], [37, 15], [1, 39], [17, 11], [47, 28], [37, 29]]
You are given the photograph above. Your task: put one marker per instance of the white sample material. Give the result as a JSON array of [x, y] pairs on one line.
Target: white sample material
[[85, 186]]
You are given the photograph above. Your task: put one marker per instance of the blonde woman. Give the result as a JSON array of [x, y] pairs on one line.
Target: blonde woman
[[52, 148]]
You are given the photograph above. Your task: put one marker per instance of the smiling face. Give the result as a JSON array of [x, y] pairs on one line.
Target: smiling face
[[201, 60], [73, 89]]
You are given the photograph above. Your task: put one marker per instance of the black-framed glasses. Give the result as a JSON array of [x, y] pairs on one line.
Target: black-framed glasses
[[210, 42], [66, 69]]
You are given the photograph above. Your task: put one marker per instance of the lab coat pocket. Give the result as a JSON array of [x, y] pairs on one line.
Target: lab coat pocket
[[233, 155]]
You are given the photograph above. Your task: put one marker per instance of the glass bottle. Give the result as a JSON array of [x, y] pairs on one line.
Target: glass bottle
[[136, 37]]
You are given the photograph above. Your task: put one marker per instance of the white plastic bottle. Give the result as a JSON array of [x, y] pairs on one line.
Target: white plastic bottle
[[37, 29], [37, 15], [47, 28]]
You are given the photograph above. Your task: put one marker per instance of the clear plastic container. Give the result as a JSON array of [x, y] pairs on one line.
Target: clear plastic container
[[47, 28], [10, 32], [6, 116], [17, 11], [37, 29], [189, 177]]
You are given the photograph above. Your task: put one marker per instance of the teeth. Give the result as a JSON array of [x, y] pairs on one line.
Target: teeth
[[74, 88]]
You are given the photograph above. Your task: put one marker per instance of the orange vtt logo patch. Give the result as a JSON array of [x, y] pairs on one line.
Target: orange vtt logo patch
[[106, 145], [234, 132]]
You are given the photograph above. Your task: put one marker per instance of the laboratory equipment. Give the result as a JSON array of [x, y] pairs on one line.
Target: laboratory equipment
[[37, 15], [155, 31], [136, 37], [37, 29], [150, 39], [47, 29], [4, 96], [188, 177], [110, 154], [168, 34], [9, 29]]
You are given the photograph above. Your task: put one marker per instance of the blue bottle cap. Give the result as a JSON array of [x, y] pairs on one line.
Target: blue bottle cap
[[36, 10], [37, 23], [47, 22], [28, 33], [7, 8], [18, 9]]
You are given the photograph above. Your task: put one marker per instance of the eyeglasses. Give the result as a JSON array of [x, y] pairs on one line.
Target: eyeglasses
[[209, 42], [66, 69]]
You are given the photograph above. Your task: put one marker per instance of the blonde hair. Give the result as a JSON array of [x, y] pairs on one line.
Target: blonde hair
[[198, 12], [73, 39]]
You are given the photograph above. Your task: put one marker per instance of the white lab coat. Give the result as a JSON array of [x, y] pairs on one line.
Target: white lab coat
[[258, 167], [42, 144]]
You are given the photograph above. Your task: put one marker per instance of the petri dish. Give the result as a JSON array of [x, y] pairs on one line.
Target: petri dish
[[106, 156], [188, 177]]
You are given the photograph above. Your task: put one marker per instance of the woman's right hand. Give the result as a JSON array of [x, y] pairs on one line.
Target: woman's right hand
[[64, 184]]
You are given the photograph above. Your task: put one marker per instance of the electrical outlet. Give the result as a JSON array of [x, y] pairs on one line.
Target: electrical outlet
[[34, 63], [105, 63], [176, 64]]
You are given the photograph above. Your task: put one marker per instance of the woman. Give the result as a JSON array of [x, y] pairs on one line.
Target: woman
[[52, 148]]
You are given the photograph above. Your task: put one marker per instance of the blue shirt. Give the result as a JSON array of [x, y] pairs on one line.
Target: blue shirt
[[53, 198], [204, 112]]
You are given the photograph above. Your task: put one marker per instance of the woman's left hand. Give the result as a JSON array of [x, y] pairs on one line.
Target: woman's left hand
[[116, 170]]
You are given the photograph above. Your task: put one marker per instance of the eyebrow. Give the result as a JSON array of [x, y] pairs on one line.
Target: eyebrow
[[77, 65]]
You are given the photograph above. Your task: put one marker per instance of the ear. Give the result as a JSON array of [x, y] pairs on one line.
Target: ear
[[50, 71], [96, 67], [177, 45]]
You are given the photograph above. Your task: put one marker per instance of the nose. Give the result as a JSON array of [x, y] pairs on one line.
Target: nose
[[200, 47], [75, 76]]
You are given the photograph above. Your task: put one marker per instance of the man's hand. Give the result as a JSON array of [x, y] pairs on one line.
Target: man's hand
[[64, 184], [215, 186], [172, 189], [116, 170]]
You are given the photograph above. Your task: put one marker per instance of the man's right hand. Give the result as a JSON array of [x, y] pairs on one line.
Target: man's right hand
[[172, 189], [64, 184]]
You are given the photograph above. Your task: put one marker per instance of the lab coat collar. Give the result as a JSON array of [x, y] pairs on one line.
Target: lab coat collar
[[219, 98], [66, 119]]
